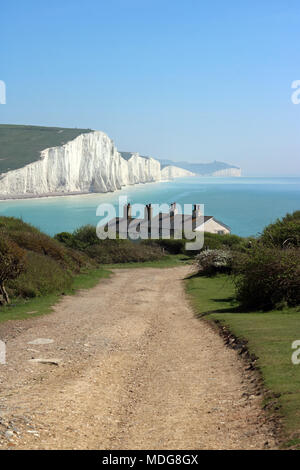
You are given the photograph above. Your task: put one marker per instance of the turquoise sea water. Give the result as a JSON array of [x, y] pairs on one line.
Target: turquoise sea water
[[247, 205]]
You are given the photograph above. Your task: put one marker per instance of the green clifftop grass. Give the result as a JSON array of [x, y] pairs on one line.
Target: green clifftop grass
[[21, 145]]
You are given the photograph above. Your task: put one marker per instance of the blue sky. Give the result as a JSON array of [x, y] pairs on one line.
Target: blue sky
[[185, 80]]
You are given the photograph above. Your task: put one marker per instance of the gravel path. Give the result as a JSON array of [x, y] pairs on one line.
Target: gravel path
[[128, 367]]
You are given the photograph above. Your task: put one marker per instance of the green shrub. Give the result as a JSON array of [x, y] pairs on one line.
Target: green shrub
[[39, 243], [211, 262], [64, 237], [31, 239], [12, 264], [85, 236], [12, 224], [171, 246], [78, 260], [108, 251], [49, 265], [42, 276], [122, 251], [212, 241], [42, 244], [215, 241], [283, 233], [268, 277]]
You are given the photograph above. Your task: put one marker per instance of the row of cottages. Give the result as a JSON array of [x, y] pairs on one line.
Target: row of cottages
[[166, 224]]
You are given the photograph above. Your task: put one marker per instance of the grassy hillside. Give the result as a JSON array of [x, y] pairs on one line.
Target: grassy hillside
[[21, 145], [50, 265], [64, 264], [54, 265]]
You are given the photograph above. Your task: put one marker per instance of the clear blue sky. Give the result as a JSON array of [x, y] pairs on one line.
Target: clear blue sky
[[194, 80]]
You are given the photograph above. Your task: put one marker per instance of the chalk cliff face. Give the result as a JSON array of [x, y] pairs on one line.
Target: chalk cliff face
[[228, 172], [206, 169], [169, 172], [142, 170], [89, 163]]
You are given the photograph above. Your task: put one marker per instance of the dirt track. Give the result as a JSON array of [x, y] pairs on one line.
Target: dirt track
[[136, 370]]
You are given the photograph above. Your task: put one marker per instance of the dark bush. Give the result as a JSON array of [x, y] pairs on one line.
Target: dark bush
[[64, 237], [42, 276], [42, 244], [171, 246], [49, 266], [283, 233], [122, 251], [268, 277], [215, 241], [85, 236], [108, 251], [12, 264], [12, 224]]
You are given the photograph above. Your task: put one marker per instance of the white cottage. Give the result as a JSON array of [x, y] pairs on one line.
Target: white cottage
[[167, 224]]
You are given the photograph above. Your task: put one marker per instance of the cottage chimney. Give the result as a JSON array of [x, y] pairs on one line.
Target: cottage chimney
[[148, 212], [173, 209], [127, 211], [160, 222], [196, 211]]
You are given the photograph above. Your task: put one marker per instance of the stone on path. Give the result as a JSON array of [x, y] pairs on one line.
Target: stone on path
[[41, 341]]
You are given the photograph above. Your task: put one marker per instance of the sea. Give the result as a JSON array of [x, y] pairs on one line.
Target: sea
[[245, 204]]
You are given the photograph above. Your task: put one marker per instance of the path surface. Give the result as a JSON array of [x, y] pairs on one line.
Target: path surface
[[136, 370]]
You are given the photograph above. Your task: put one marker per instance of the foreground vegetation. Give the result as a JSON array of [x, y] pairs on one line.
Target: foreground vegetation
[[266, 270], [254, 290], [33, 265], [44, 266], [85, 241], [250, 285], [269, 336], [35, 269]]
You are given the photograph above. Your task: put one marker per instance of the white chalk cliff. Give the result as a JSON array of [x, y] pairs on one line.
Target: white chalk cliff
[[228, 172], [89, 163], [170, 171]]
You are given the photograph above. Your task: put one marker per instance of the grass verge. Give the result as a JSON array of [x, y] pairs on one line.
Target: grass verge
[[269, 336], [168, 261], [24, 309]]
